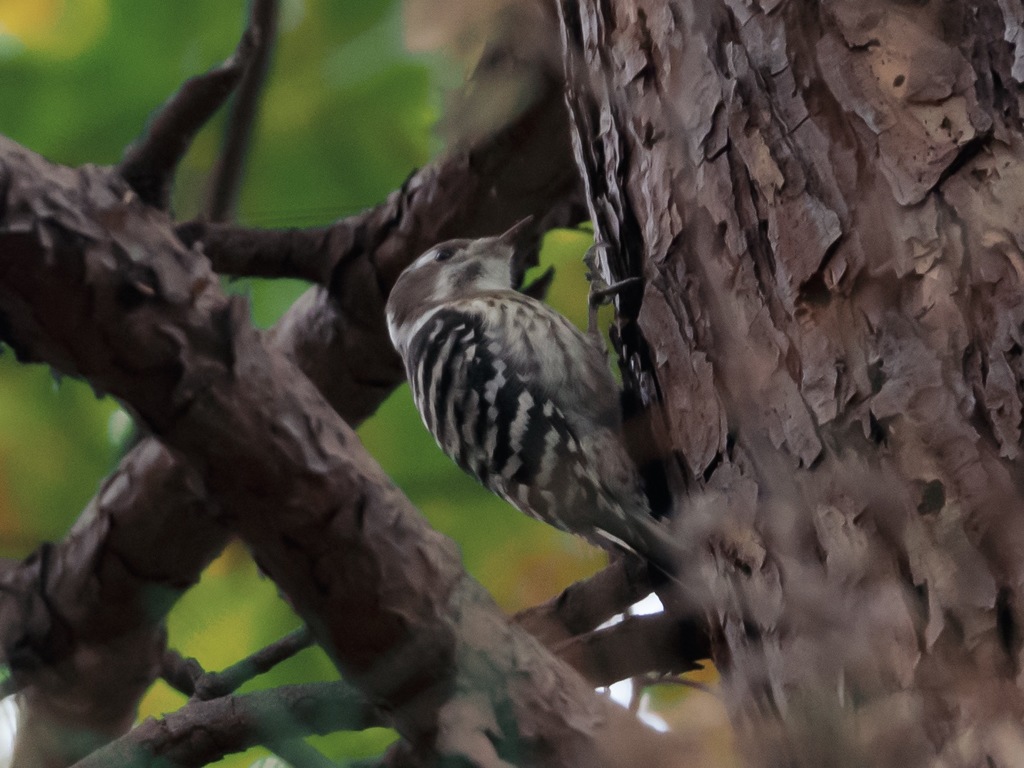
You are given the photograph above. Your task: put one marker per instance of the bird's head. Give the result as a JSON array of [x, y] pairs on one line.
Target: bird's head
[[452, 270]]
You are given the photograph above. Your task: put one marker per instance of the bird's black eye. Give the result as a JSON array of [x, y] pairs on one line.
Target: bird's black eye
[[443, 254]]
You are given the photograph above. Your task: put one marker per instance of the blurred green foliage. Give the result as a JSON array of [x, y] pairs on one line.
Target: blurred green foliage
[[347, 115]]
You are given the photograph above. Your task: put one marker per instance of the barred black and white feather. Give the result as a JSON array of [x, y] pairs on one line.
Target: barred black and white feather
[[519, 397]]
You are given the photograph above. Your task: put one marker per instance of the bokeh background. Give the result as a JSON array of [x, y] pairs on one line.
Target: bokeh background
[[347, 114]]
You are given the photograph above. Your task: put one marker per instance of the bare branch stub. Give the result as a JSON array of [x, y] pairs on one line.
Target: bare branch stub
[[567, 625], [245, 252], [149, 164], [227, 175], [180, 672]]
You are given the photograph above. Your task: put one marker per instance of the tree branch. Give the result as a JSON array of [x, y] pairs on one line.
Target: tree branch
[[288, 474], [180, 672], [567, 625], [635, 646], [149, 165], [336, 338], [190, 678], [338, 343], [588, 603], [185, 738], [245, 252], [214, 684], [227, 174]]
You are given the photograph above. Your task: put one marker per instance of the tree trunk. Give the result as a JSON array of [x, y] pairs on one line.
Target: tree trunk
[[822, 199]]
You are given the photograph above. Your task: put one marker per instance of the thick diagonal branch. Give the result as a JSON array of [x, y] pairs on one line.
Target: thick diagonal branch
[[336, 337], [145, 319]]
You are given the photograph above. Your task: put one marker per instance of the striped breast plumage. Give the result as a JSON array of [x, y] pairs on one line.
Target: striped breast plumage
[[484, 391]]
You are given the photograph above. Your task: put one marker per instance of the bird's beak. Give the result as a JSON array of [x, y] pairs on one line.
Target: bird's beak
[[513, 233], [523, 241]]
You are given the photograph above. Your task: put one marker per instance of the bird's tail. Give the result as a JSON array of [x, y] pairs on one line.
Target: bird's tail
[[641, 534], [661, 548]]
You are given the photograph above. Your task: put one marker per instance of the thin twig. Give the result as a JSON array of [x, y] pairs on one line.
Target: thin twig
[[214, 684], [240, 722], [149, 164], [225, 183], [187, 675]]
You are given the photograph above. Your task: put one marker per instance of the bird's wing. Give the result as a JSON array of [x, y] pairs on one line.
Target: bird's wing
[[495, 418], [552, 356]]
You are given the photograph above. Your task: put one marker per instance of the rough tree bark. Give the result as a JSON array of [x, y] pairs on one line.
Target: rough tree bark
[[824, 201]]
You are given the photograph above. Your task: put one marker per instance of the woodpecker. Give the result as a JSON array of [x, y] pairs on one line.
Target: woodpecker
[[518, 397]]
